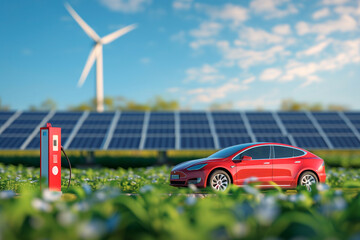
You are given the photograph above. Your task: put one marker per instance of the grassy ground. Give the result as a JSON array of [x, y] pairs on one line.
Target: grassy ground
[[96, 207]]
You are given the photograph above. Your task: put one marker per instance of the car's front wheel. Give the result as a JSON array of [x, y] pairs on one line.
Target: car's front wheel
[[307, 179], [219, 180]]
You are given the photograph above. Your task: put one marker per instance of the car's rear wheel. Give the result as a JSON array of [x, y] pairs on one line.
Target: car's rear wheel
[[219, 180], [307, 179]]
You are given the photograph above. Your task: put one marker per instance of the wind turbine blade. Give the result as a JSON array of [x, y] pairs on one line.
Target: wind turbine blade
[[112, 36], [90, 61], [87, 29]]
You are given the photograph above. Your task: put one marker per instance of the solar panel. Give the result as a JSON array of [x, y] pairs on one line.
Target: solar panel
[[83, 142], [160, 143], [197, 143], [345, 142], [12, 142], [227, 118], [302, 130], [230, 129], [124, 143], [183, 130], [194, 130], [226, 141], [65, 120], [257, 131], [19, 130], [277, 139], [4, 116], [92, 132], [310, 142]]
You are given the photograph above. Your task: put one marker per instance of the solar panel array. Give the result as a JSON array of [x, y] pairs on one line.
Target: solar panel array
[[182, 129]]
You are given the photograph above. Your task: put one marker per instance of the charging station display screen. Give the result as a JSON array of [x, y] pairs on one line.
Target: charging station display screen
[[45, 155]]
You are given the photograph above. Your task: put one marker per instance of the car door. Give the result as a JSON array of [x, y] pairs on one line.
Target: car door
[[260, 166], [286, 164]]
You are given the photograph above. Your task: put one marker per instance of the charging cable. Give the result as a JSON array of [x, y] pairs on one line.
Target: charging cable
[[62, 149]]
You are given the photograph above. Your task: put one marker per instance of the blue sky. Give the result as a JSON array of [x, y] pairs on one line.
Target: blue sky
[[242, 54]]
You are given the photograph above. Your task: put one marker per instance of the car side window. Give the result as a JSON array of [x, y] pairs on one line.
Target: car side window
[[297, 152], [262, 152], [286, 152]]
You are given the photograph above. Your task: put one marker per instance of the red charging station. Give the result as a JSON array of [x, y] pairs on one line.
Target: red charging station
[[50, 157]]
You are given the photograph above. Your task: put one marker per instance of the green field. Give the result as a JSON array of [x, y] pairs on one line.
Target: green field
[[138, 204]]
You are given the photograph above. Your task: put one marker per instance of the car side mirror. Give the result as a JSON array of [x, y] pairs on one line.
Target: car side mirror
[[246, 158], [243, 158]]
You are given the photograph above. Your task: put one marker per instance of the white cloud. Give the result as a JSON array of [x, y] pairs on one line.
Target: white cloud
[[246, 58], [318, 48], [270, 74], [321, 13], [126, 6], [201, 42], [145, 60], [248, 80], [173, 90], [259, 37], [204, 74], [349, 52], [310, 80], [234, 13], [282, 29], [344, 24], [269, 100], [273, 8], [206, 29], [334, 2], [210, 94], [348, 10], [182, 4], [179, 37]]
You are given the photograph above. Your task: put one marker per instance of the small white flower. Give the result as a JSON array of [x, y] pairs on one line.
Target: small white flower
[[267, 211], [100, 196], [81, 206], [41, 205], [251, 190], [192, 187], [293, 198], [92, 230], [51, 196], [322, 187], [301, 197], [190, 200], [66, 218], [7, 194], [250, 179], [338, 192], [339, 203], [87, 189], [146, 188]]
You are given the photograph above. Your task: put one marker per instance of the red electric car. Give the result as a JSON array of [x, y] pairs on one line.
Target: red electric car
[[263, 163]]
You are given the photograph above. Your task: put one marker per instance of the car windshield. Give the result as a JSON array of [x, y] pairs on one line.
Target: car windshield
[[226, 152]]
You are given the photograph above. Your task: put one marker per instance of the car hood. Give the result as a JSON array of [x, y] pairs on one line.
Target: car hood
[[190, 163]]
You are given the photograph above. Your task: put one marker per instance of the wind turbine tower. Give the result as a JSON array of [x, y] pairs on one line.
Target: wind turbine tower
[[96, 54]]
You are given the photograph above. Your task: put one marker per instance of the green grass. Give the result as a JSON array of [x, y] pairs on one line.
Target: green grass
[[98, 206]]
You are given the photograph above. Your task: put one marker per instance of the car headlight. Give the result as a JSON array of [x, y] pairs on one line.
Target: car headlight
[[197, 167]]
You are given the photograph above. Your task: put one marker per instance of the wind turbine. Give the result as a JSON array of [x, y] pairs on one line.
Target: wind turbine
[[96, 54]]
